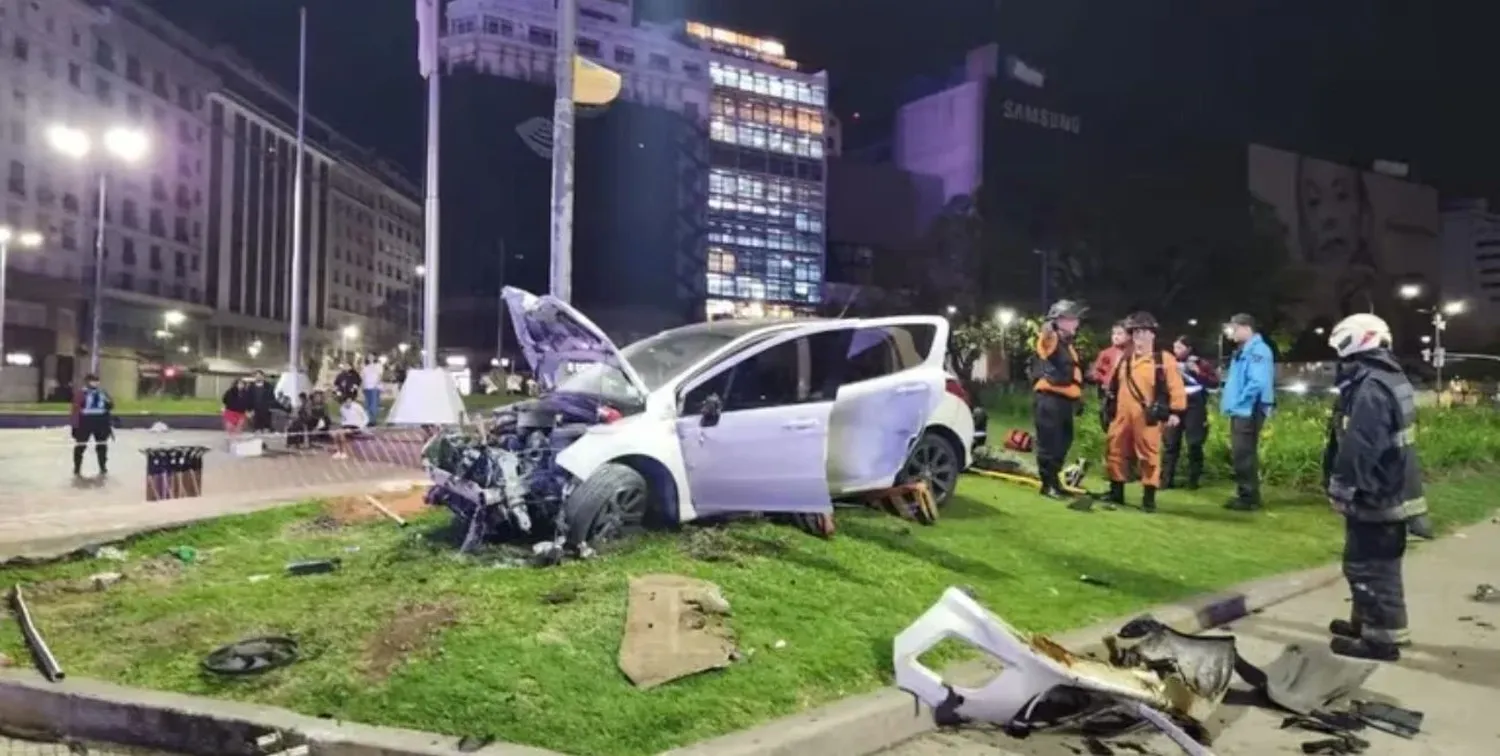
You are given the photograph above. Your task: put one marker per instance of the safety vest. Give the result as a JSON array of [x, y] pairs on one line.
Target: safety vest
[[95, 402], [1406, 499], [1190, 381]]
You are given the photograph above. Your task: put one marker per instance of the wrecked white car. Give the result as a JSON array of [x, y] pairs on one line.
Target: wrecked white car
[[711, 419]]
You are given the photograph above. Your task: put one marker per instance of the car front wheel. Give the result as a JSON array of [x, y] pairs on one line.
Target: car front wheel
[[934, 461], [611, 504]]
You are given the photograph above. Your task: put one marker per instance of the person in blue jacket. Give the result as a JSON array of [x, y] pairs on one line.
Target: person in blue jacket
[[1248, 396]]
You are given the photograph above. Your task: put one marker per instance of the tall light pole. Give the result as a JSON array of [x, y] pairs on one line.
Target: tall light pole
[[294, 350], [23, 239], [126, 145], [561, 264], [428, 39]]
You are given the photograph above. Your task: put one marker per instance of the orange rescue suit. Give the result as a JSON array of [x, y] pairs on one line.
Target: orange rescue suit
[[1060, 373], [1130, 437]]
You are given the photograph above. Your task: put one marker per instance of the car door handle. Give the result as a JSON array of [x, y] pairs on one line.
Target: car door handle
[[911, 388], [804, 424]]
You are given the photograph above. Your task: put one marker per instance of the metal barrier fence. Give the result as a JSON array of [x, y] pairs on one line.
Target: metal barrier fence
[[158, 479]]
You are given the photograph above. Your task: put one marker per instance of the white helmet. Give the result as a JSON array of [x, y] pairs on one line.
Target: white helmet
[[1357, 333]]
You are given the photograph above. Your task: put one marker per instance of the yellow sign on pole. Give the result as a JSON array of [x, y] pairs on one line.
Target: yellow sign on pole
[[593, 84]]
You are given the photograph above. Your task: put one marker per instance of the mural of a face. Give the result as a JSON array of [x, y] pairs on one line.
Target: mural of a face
[[1333, 211]]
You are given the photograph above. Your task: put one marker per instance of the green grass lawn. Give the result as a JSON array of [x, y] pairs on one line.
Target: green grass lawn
[[195, 406], [530, 655]]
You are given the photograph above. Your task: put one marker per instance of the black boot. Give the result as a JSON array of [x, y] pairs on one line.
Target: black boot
[[1194, 471], [1116, 493], [101, 452], [1148, 500], [1242, 505], [1353, 631], [1168, 479], [1364, 648], [77, 460], [1051, 488]]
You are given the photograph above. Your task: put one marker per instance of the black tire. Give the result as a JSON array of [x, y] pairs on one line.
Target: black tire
[[613, 503], [935, 461]]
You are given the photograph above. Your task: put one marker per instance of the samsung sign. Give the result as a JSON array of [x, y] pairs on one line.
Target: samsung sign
[[1042, 117]]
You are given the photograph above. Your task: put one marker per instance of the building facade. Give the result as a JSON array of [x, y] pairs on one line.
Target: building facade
[[1470, 242], [196, 238], [750, 164]]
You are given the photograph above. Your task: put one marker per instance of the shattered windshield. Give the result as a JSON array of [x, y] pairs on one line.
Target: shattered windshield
[[657, 359]]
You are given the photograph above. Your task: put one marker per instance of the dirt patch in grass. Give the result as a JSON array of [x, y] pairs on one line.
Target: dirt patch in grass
[[351, 510], [408, 631]]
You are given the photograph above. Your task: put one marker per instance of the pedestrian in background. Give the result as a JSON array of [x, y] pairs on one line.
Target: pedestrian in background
[[92, 418], [370, 378], [1373, 479], [1198, 376], [1057, 391], [263, 403], [1248, 398], [1147, 395], [237, 404], [352, 420], [1104, 367], [346, 383]]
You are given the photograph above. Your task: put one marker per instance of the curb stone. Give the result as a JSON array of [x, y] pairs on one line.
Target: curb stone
[[873, 722], [92, 710]]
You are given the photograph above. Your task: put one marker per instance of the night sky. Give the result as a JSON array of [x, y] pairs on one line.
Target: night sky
[[1350, 80]]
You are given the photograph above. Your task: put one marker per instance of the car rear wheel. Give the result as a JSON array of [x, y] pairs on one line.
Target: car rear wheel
[[934, 461], [612, 504]]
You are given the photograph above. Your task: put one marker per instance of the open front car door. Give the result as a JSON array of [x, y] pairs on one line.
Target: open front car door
[[754, 428]]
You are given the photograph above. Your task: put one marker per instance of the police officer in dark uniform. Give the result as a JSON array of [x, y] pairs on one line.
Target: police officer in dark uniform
[[1375, 481], [92, 418], [1057, 391], [1198, 376]]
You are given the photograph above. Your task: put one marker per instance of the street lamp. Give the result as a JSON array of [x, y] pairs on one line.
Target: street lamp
[[1440, 324], [24, 239], [254, 349], [1457, 307], [173, 318], [1005, 316], [348, 334], [1409, 291], [952, 310], [126, 145], [1192, 322]]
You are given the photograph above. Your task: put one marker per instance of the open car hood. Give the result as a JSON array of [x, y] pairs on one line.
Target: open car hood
[[553, 334]]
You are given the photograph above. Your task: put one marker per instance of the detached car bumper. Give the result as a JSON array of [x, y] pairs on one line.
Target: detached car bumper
[[981, 427]]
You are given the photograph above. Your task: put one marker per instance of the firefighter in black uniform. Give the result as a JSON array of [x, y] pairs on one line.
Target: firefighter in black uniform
[[1198, 377], [1058, 391], [1375, 481]]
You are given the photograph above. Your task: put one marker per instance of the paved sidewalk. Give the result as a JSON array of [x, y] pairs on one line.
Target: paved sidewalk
[[1452, 674], [44, 510]]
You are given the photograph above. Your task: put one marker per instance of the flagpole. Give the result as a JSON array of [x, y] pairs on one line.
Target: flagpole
[[561, 265], [430, 234], [298, 190]]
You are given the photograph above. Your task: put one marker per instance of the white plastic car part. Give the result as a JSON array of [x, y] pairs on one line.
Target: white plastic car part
[[1031, 668]]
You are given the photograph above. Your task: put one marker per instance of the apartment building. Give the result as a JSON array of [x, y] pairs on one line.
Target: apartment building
[[181, 289], [748, 176]]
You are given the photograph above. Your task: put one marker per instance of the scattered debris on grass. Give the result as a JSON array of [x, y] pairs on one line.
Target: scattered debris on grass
[[408, 630], [252, 656], [1095, 581], [45, 661], [314, 566], [184, 554], [386, 511], [111, 553], [473, 743], [104, 580], [675, 626], [1485, 593], [355, 510]]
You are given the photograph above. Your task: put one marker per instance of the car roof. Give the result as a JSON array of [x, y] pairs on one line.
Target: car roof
[[737, 327]]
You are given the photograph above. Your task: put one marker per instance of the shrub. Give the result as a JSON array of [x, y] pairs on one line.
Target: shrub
[[1291, 447]]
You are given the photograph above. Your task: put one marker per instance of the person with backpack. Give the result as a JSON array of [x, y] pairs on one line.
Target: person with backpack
[[1374, 480], [1057, 392], [1146, 394], [92, 417], [1104, 367]]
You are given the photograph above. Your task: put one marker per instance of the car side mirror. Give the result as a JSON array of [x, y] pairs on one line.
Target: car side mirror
[[710, 411]]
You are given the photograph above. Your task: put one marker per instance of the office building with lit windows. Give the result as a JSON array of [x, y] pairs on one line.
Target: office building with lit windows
[[183, 289], [699, 192]]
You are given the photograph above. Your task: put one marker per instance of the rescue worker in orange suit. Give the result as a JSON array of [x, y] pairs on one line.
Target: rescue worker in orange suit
[[1198, 378], [1104, 367], [1057, 391], [1146, 395]]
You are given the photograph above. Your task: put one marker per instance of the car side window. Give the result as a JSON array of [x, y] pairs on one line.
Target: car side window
[[769, 378], [883, 350], [692, 404]]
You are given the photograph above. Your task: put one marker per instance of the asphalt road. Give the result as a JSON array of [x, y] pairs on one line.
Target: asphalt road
[[1452, 674]]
